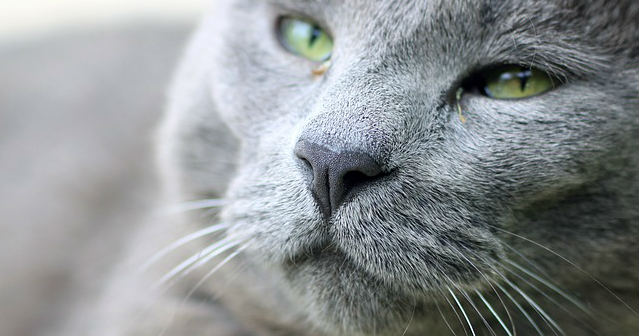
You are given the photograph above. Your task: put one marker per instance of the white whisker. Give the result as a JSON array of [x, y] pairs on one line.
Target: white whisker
[[521, 309], [217, 267], [186, 239], [211, 255], [481, 316], [462, 310], [551, 286], [503, 325], [192, 205], [535, 305], [444, 318], [572, 264], [539, 290], [412, 315], [457, 314], [216, 248], [534, 265], [190, 293], [493, 288]]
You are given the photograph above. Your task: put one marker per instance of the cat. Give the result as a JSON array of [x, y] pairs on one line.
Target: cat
[[394, 168]]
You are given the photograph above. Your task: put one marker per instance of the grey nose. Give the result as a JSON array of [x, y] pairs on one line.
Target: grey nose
[[336, 175]]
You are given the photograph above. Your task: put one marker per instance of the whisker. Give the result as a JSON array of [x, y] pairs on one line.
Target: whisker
[[186, 239], [462, 310], [512, 323], [521, 309], [503, 325], [412, 315], [539, 290], [457, 314], [212, 255], [213, 249], [572, 264], [193, 205], [536, 306], [551, 286], [190, 293], [527, 260], [217, 267], [481, 316], [444, 318]]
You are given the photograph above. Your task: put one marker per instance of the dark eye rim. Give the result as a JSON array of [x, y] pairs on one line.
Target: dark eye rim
[[476, 81], [285, 45]]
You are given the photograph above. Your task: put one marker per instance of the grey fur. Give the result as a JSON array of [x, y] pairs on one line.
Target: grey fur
[[559, 169]]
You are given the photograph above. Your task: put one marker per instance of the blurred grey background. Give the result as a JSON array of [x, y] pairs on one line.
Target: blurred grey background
[[82, 86], [21, 19]]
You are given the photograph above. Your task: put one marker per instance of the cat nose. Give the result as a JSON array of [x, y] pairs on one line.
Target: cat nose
[[336, 174]]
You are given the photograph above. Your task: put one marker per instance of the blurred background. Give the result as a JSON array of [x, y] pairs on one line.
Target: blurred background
[[21, 19], [82, 87]]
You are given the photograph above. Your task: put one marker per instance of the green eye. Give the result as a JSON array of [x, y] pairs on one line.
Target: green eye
[[305, 38], [513, 82]]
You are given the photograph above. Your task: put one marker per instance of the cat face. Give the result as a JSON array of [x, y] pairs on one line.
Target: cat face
[[370, 182]]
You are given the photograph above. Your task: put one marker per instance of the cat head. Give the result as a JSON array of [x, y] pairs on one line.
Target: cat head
[[386, 174]]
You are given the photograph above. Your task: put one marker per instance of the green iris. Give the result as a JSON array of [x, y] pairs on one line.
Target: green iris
[[305, 38], [513, 82]]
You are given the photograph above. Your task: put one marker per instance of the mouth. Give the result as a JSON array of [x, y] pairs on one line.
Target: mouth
[[321, 259], [316, 252], [326, 280]]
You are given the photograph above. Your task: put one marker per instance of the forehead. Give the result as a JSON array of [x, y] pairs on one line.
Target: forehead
[[375, 18], [429, 22], [393, 16], [559, 36], [412, 26]]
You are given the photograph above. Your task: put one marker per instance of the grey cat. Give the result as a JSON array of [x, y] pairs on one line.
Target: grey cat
[[388, 187]]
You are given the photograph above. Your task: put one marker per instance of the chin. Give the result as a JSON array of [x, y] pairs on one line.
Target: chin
[[341, 299]]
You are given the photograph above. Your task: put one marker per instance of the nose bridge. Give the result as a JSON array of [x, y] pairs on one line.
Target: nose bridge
[[356, 114], [345, 141]]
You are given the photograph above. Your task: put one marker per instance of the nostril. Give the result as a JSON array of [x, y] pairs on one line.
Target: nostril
[[335, 174], [301, 153], [349, 174], [352, 180], [306, 163]]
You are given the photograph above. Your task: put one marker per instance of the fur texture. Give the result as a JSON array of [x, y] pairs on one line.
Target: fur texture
[[528, 204]]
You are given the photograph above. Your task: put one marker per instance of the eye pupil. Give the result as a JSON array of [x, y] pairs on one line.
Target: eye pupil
[[305, 38], [509, 82], [315, 34], [523, 79]]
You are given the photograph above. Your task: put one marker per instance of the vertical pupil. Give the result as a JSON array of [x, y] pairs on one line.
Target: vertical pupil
[[523, 78], [315, 34]]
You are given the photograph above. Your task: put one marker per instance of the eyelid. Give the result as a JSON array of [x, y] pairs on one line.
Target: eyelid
[[478, 81], [306, 18], [313, 14], [284, 42]]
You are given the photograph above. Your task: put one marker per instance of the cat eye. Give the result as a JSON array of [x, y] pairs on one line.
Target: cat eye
[[305, 38], [509, 82]]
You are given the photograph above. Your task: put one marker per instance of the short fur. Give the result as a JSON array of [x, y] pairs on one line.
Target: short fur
[[548, 182]]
